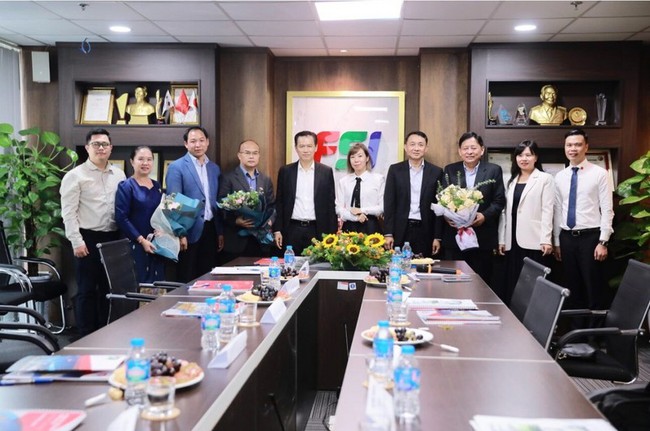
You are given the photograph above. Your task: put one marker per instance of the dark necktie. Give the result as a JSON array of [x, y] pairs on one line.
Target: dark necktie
[[356, 194], [573, 194]]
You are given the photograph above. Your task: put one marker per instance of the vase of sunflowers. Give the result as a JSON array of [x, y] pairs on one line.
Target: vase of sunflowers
[[349, 250]]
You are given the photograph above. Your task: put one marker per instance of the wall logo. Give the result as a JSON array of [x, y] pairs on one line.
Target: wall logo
[[329, 142]]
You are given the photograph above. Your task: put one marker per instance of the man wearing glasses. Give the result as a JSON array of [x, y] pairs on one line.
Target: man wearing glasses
[[245, 177], [88, 211]]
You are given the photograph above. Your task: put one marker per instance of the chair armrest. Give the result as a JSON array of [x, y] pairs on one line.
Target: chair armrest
[[16, 309], [8, 267], [19, 274], [579, 334], [168, 285], [40, 261], [583, 312], [8, 329], [132, 296]]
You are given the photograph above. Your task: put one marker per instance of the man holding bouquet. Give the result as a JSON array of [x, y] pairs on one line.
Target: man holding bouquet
[[245, 177]]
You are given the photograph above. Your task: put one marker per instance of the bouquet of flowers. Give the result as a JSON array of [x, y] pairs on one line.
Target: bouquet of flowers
[[251, 205], [347, 250], [173, 218], [460, 205]]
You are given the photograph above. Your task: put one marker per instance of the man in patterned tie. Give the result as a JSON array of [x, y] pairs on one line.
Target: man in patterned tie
[[582, 225]]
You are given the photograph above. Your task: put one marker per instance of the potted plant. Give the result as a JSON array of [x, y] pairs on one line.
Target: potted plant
[[29, 188], [635, 192]]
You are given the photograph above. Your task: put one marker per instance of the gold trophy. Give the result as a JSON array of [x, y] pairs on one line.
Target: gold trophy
[[121, 107], [160, 117], [492, 121]]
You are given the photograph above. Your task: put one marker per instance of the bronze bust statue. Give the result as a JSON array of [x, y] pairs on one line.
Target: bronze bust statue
[[548, 113], [141, 109]]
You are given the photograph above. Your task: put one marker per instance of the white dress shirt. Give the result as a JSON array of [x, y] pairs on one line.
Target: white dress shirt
[[303, 207], [202, 172], [372, 195], [88, 200], [594, 207], [415, 174]]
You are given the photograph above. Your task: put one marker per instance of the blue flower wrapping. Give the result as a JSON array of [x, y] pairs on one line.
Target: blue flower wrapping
[[172, 223], [262, 230]]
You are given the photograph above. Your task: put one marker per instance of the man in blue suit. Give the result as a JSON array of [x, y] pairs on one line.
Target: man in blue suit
[[195, 176]]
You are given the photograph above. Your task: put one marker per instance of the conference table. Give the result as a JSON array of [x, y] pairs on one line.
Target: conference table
[[316, 344]]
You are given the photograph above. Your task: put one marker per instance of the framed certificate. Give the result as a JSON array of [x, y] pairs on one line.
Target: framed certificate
[[97, 106]]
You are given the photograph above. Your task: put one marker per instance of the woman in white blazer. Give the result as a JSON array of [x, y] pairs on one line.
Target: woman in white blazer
[[526, 223]]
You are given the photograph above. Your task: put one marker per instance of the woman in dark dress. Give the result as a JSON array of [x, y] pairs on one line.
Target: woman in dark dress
[[526, 223], [136, 200]]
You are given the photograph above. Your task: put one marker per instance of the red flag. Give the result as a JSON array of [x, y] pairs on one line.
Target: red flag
[[182, 104]]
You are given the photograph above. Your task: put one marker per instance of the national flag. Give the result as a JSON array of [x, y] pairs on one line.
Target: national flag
[[193, 103], [182, 104], [167, 103]]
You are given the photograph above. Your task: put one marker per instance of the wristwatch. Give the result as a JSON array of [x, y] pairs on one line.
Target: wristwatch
[[603, 243]]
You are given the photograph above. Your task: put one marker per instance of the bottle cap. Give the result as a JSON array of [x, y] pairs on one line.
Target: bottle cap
[[137, 342], [289, 247], [226, 288], [274, 259], [408, 350], [383, 323]]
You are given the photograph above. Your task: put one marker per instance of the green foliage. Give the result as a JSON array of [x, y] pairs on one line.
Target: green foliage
[[29, 188], [635, 192]]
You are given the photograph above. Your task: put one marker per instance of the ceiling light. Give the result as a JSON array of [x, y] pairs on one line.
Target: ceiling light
[[120, 29], [343, 50], [352, 10], [525, 27]]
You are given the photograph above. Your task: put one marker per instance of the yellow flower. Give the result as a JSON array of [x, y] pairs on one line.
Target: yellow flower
[[374, 240], [353, 249], [330, 240]]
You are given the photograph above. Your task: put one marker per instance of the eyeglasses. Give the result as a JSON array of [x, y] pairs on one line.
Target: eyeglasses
[[96, 145], [250, 153]]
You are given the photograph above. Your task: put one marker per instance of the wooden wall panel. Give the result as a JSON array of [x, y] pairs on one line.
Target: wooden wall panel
[[644, 107]]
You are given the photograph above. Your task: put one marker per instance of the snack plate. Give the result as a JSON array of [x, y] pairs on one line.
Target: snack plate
[[260, 302], [112, 380], [372, 281], [303, 278], [427, 336]]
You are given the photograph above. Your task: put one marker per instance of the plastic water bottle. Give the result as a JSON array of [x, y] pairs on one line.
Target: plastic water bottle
[[210, 323], [274, 273], [382, 346], [290, 258], [407, 255], [406, 394], [395, 304], [137, 373], [227, 314]]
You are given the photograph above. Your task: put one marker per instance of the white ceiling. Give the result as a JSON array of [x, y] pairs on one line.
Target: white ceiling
[[292, 28]]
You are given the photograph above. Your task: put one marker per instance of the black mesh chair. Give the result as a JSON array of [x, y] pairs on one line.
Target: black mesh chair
[[616, 359], [544, 309], [525, 286], [44, 287], [20, 339], [125, 291]]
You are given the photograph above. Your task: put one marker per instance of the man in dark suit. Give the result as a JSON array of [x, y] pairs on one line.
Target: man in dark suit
[[305, 202], [470, 172], [195, 176], [245, 177], [410, 189]]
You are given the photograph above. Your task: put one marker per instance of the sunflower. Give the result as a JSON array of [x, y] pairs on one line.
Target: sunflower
[[353, 249], [374, 240], [330, 240]]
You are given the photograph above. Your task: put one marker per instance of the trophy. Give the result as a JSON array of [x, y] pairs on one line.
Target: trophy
[[492, 121], [121, 107], [160, 117], [505, 117], [601, 107], [521, 117]]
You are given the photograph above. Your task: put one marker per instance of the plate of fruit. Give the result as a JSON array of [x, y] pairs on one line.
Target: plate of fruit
[[263, 295], [186, 373], [289, 273], [401, 335], [378, 276]]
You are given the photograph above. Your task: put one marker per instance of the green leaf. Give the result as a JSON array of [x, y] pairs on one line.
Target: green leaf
[[631, 200], [6, 128]]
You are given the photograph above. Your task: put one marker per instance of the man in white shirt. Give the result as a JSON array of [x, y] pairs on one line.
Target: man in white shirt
[[88, 211], [582, 225]]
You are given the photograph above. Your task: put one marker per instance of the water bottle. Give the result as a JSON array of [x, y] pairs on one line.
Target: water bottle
[[395, 304], [274, 273], [382, 346], [227, 314], [137, 374], [407, 255], [406, 394], [210, 323], [290, 258]]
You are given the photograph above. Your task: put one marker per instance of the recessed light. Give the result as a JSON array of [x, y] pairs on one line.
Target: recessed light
[[343, 50], [120, 29], [355, 10], [525, 27]]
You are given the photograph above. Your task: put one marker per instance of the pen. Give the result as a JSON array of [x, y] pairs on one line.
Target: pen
[[447, 347], [34, 380]]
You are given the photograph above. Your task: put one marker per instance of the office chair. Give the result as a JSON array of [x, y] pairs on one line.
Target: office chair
[[618, 361], [44, 287], [544, 309], [15, 288], [125, 291], [525, 286], [20, 339]]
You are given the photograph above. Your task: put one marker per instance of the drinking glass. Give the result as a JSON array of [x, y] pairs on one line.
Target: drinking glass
[[160, 396]]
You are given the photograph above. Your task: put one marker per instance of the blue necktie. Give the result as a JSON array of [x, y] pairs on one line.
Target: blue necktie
[[573, 194]]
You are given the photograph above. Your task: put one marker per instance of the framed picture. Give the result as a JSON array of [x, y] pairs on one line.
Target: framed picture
[[166, 164], [603, 158], [186, 104], [154, 167], [97, 107], [342, 118], [504, 160], [118, 163]]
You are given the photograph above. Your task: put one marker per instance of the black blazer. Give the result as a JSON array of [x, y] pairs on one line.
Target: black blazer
[[494, 199], [232, 182], [324, 198], [397, 201]]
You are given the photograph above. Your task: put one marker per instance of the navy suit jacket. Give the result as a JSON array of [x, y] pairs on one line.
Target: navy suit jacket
[[234, 181], [183, 178], [324, 198], [397, 201], [494, 199]]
